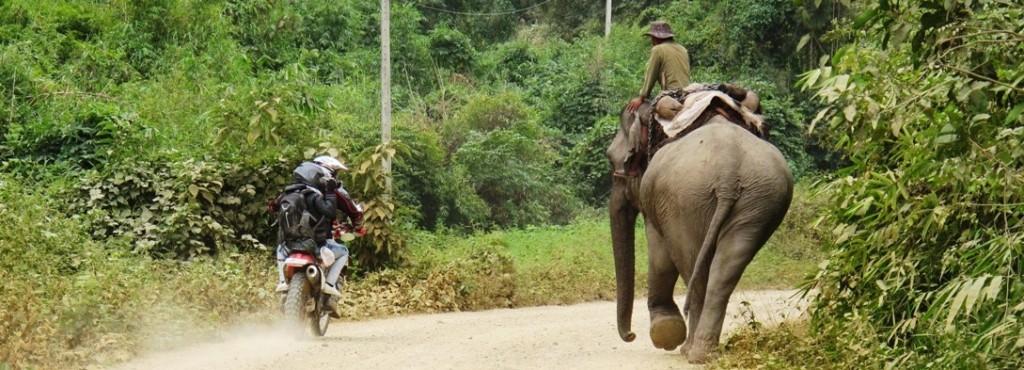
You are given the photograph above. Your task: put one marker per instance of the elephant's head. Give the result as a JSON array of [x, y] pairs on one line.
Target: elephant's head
[[624, 208]]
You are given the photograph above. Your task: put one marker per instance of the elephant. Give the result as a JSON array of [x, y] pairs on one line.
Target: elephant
[[710, 201]]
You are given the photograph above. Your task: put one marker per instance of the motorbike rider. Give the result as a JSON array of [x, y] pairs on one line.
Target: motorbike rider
[[328, 198]]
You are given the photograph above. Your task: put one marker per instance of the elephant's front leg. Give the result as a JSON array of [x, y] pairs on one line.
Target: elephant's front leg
[[668, 329]]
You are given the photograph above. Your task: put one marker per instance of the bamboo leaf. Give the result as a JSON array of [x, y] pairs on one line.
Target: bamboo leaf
[[1014, 113], [958, 302], [803, 42], [865, 18], [994, 287], [972, 294], [812, 78], [850, 112], [814, 122], [842, 82]]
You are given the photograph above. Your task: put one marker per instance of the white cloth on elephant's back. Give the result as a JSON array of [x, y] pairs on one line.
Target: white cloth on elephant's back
[[696, 103]]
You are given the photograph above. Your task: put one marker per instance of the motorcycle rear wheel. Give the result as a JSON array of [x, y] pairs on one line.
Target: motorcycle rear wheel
[[295, 303], [320, 317]]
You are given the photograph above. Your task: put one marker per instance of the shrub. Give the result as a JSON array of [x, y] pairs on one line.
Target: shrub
[[587, 164], [384, 217], [926, 267], [451, 49], [526, 190], [513, 62], [181, 209]]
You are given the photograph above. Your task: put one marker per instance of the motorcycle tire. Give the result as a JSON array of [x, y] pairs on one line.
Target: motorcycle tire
[[295, 303], [320, 318]]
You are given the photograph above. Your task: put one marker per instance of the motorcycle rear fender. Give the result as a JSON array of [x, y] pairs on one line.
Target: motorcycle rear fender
[[297, 262]]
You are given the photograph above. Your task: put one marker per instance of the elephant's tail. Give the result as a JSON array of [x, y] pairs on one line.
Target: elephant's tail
[[696, 289]]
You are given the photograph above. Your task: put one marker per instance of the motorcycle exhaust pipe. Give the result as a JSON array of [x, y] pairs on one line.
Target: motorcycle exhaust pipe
[[312, 272]]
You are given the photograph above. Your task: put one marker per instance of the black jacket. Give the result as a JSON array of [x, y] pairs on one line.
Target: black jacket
[[324, 207]]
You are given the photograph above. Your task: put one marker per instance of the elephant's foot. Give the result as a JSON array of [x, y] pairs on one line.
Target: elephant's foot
[[700, 352], [668, 332]]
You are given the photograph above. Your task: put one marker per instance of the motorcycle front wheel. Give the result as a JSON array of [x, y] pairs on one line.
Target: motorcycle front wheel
[[295, 302]]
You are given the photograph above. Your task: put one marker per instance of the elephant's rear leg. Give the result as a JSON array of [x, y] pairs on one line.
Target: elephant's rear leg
[[734, 254], [668, 329]]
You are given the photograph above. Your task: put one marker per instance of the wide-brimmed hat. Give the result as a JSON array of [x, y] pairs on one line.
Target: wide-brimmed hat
[[661, 30]]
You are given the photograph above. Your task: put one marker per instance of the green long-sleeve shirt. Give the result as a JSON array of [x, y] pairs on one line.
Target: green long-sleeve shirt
[[669, 66]]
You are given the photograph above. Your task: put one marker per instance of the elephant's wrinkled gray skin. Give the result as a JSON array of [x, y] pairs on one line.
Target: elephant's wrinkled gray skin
[[710, 201]]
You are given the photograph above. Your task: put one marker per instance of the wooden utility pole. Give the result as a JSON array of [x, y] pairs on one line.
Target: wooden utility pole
[[608, 18], [385, 82]]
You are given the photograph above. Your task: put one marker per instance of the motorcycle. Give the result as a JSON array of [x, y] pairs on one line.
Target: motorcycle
[[306, 301]]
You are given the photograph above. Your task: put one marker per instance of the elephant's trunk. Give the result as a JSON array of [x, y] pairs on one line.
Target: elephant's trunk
[[623, 223]]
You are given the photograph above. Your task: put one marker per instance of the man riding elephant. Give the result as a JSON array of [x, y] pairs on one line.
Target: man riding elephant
[[669, 64]]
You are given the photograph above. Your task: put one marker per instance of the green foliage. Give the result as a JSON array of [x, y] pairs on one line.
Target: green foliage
[[588, 165], [249, 82], [513, 62], [83, 141], [569, 263], [385, 240], [579, 105], [525, 190], [926, 265], [746, 37], [181, 209], [280, 109], [276, 33], [451, 49], [484, 21], [732, 37], [410, 49]]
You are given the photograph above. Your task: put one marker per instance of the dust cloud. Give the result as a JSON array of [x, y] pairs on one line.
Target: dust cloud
[[580, 336]]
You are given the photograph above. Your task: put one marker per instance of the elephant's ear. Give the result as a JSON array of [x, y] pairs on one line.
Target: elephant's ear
[[635, 135]]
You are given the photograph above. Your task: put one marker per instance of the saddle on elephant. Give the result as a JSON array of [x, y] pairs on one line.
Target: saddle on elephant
[[679, 112]]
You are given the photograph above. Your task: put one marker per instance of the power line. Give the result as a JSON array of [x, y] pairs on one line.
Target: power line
[[499, 13]]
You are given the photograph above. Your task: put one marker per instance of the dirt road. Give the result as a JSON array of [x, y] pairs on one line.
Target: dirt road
[[551, 337]]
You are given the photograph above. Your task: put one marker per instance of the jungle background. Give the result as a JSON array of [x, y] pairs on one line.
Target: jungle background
[[142, 140]]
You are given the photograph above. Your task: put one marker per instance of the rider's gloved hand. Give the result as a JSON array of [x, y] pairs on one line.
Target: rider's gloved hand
[[331, 184]]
